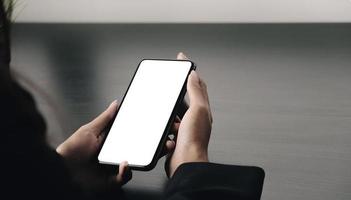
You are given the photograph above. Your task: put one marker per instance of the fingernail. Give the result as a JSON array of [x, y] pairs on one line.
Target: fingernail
[[182, 56], [113, 102]]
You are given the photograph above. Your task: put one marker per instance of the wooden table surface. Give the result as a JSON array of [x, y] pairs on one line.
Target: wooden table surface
[[280, 93]]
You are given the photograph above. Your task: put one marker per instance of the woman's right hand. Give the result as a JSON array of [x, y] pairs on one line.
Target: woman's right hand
[[194, 130]]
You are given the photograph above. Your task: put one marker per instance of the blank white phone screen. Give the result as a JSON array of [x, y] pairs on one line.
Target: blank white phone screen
[[144, 113]]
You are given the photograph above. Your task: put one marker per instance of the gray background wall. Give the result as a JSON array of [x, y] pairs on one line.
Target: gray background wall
[[180, 11], [280, 94]]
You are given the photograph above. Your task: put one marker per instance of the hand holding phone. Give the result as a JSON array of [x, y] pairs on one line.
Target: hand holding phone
[[139, 130], [194, 130], [80, 149]]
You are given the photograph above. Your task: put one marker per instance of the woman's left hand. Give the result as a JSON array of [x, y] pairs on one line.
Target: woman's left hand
[[80, 153]]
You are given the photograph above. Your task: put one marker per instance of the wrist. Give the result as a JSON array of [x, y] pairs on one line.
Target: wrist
[[191, 154], [194, 154]]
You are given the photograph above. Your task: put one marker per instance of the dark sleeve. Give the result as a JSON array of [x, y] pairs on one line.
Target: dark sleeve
[[215, 181], [30, 168]]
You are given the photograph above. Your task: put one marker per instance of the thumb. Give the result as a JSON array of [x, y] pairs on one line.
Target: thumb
[[196, 89], [181, 56], [101, 121]]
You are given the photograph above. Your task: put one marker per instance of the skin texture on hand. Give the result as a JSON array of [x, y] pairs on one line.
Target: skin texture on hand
[[80, 152], [81, 148], [194, 130], [83, 145]]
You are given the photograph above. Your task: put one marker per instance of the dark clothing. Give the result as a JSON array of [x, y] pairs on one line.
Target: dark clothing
[[30, 169], [215, 181]]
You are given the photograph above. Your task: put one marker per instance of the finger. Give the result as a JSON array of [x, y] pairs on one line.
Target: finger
[[181, 56], [196, 90], [170, 145], [168, 148], [177, 119], [174, 130], [124, 174], [101, 121], [176, 127]]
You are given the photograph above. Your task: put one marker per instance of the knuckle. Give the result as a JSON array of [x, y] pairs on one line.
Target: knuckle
[[84, 128]]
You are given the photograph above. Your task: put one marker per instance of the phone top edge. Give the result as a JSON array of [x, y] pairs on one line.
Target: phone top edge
[[193, 65], [164, 59]]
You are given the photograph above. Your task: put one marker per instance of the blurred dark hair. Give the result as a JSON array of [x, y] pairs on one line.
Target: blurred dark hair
[[19, 115], [10, 91], [5, 56]]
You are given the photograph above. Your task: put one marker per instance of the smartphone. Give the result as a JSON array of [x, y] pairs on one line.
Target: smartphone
[[144, 118]]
